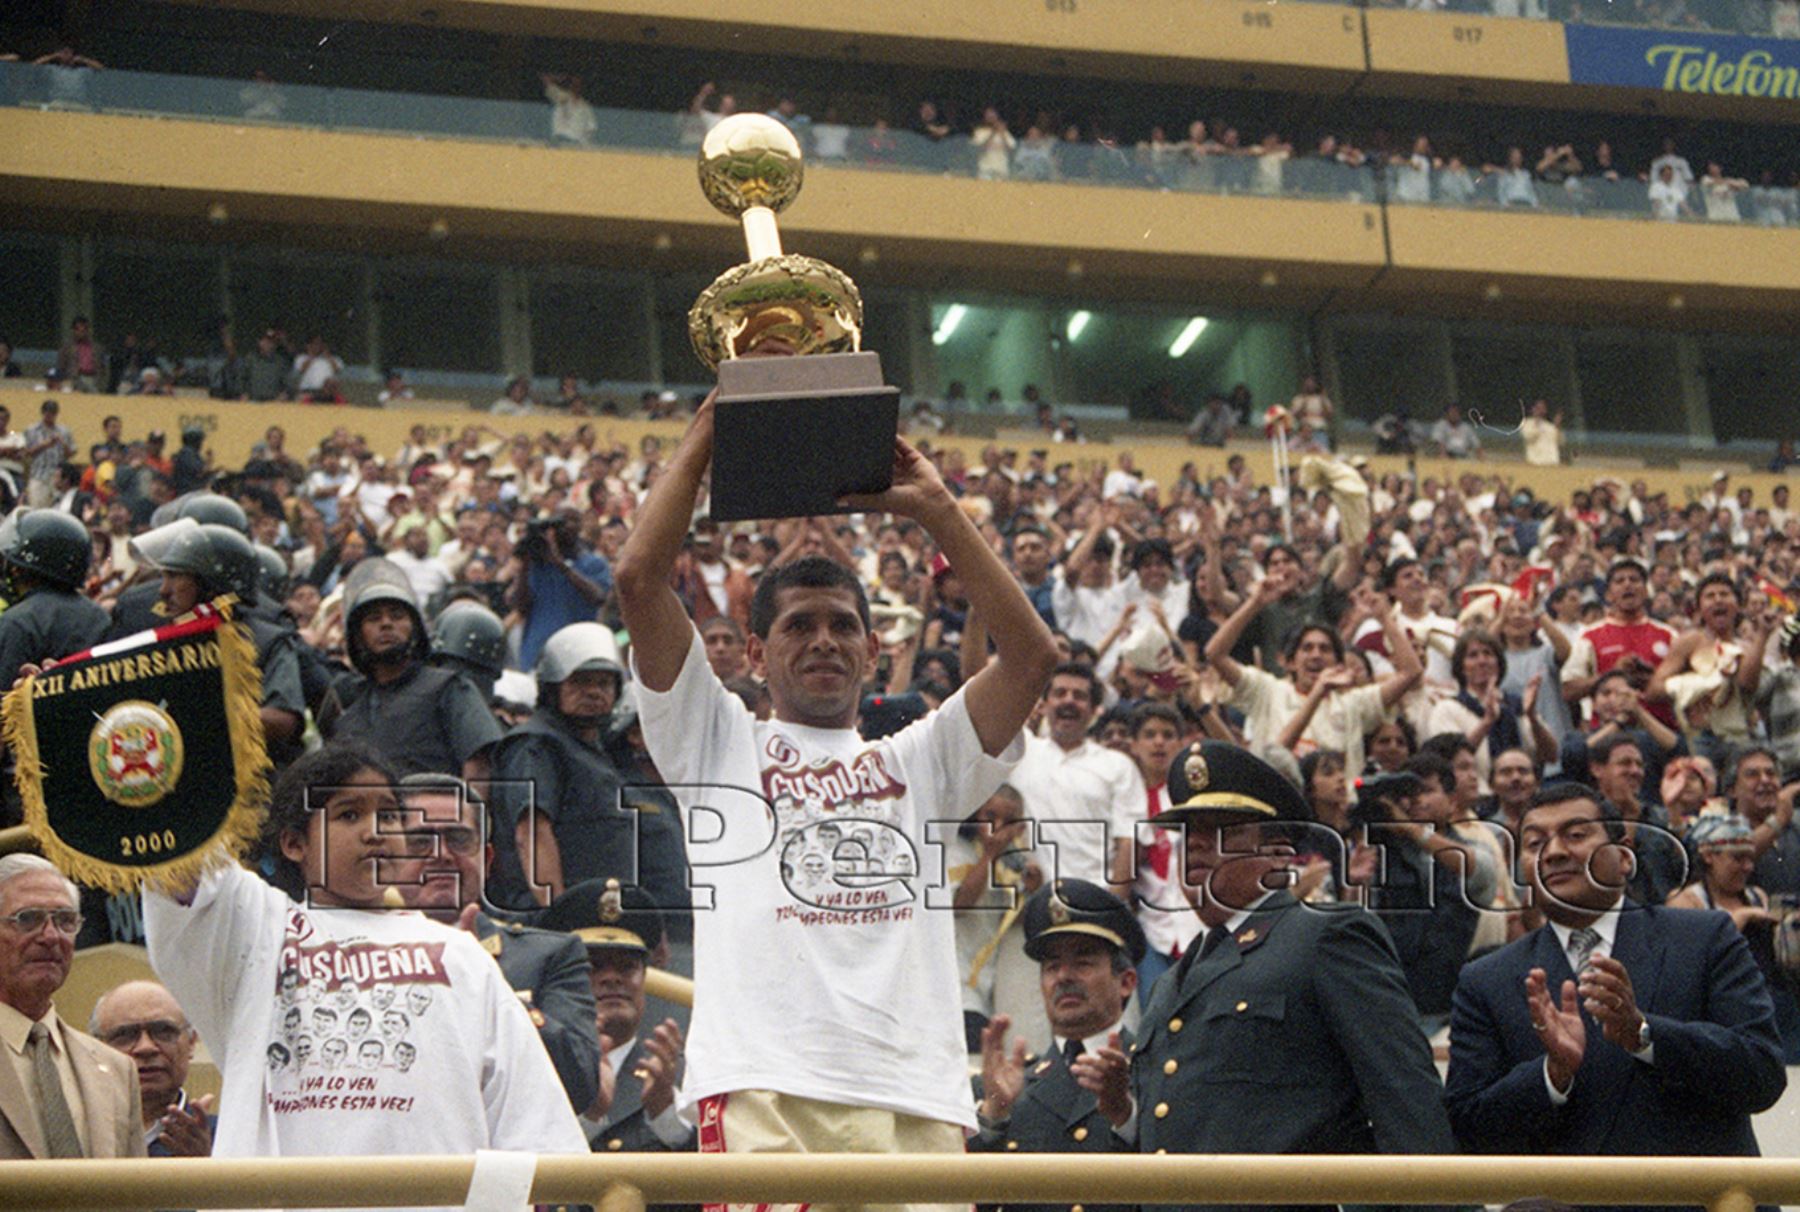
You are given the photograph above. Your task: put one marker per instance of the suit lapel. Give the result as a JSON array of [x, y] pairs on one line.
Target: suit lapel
[[1549, 955], [20, 1112], [628, 1088], [1631, 947], [94, 1074]]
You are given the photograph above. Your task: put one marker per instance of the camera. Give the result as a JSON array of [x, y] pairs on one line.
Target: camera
[[534, 544], [1378, 797]]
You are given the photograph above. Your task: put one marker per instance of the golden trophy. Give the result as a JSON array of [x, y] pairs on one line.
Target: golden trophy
[[792, 434]]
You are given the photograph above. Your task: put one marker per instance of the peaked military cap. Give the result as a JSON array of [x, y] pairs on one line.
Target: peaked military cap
[[605, 913], [1077, 907], [1226, 784]]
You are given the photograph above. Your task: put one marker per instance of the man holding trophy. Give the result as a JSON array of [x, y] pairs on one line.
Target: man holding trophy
[[826, 1016]]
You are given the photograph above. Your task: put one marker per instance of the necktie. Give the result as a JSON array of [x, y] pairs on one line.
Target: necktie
[[1215, 938], [1072, 1048], [60, 1136], [1582, 944]]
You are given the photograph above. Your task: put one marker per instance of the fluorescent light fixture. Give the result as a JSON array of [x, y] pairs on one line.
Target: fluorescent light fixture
[[1077, 323], [947, 326], [1188, 336]]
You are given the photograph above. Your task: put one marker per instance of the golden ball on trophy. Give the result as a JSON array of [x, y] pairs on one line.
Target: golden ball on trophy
[[750, 160], [751, 167]]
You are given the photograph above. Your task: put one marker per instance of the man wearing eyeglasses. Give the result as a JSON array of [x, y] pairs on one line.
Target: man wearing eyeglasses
[[446, 836], [145, 1022], [62, 1094]]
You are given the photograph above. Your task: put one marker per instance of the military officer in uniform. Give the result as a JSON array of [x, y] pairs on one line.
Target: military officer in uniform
[[419, 718], [621, 928], [199, 562], [560, 791], [1289, 1027], [446, 829], [1087, 944], [44, 557]]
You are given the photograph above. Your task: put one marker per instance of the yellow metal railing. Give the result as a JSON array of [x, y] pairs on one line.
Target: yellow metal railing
[[623, 1182]]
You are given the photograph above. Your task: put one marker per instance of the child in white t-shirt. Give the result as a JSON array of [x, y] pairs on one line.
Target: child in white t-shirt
[[341, 1027]]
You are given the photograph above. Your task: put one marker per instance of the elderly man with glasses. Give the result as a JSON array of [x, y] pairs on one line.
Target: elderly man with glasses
[[62, 1094], [145, 1022]]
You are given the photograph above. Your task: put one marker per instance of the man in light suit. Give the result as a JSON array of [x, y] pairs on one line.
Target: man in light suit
[[62, 1093], [1615, 1028]]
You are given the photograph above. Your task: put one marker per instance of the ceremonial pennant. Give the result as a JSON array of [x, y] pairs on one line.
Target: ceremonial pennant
[[142, 761]]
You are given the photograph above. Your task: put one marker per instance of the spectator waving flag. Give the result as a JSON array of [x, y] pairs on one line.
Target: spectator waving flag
[[142, 760]]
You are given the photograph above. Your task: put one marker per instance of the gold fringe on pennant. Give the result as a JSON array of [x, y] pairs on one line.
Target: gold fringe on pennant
[[241, 682]]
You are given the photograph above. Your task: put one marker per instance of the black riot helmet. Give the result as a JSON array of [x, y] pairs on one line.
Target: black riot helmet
[[48, 544], [219, 558], [471, 638], [275, 573], [472, 634], [203, 507], [373, 580]]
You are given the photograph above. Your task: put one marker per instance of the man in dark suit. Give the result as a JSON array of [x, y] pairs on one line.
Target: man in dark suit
[[1289, 1028], [639, 1072], [1088, 944], [446, 829], [1615, 1028]]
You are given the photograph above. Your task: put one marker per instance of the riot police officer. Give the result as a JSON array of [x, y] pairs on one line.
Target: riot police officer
[[44, 556], [418, 717], [563, 796], [471, 639], [198, 563], [136, 609]]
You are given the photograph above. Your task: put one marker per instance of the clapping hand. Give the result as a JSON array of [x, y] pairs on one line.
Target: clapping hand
[[1106, 1072], [186, 1133], [661, 1064], [1559, 1028], [1606, 993], [1002, 1069]]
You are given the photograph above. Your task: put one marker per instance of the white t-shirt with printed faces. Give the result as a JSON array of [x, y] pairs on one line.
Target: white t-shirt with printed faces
[[348, 1031], [822, 969]]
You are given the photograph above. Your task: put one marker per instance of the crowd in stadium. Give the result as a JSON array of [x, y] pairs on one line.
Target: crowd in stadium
[[1411, 674], [1211, 155]]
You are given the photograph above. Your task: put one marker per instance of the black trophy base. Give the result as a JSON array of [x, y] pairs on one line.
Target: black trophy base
[[792, 435]]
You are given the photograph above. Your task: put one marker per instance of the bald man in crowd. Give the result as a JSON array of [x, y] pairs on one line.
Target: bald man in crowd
[[145, 1022]]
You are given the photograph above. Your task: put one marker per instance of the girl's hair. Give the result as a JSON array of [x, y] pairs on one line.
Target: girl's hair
[[291, 804], [1317, 762]]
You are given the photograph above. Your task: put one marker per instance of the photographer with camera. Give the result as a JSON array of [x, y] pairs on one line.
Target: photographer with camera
[[1429, 885], [557, 581]]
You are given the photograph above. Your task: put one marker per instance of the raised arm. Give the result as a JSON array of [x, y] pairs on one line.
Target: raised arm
[[1002, 695], [661, 632], [1407, 670], [1218, 649]]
